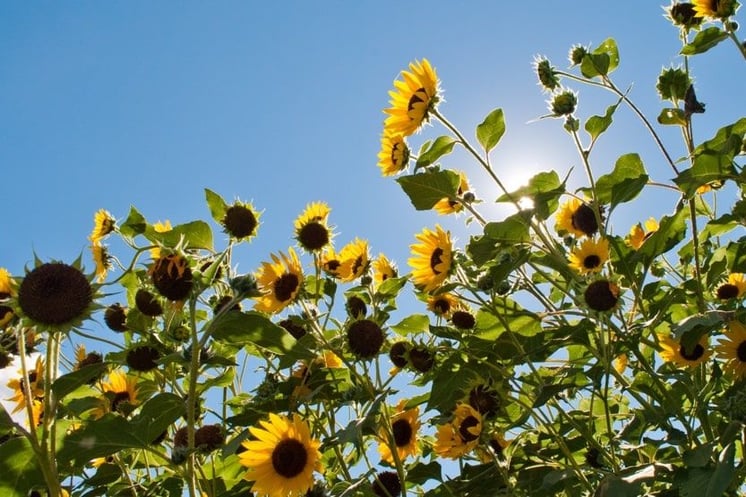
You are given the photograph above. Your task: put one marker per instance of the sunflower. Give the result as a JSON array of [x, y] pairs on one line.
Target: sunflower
[[590, 255], [120, 394], [637, 235], [331, 263], [103, 224], [415, 96], [431, 261], [620, 363], [394, 155], [733, 349], [279, 281], [461, 435], [443, 304], [576, 218], [404, 427], [159, 227], [714, 8], [354, 260], [56, 296], [102, 259], [383, 269], [602, 295], [240, 220], [311, 229], [6, 291], [35, 386], [493, 449], [447, 205], [282, 459], [172, 276], [734, 288], [672, 351]]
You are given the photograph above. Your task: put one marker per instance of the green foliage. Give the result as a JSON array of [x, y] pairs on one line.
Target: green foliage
[[624, 183], [426, 189], [704, 40], [491, 130]]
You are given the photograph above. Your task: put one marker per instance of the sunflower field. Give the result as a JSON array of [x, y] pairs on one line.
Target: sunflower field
[[558, 351]]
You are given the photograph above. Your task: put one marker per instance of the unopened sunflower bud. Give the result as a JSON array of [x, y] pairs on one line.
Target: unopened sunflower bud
[[546, 74], [245, 286], [684, 15], [563, 103], [577, 53]]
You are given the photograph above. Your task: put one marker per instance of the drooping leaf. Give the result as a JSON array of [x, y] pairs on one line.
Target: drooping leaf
[[595, 125], [601, 61], [543, 189], [443, 145], [426, 189], [704, 40], [67, 383], [624, 183], [491, 129], [134, 225], [672, 117], [19, 469], [195, 234], [217, 205], [415, 323]]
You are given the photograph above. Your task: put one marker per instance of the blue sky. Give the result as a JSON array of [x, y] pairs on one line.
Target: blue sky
[[112, 104]]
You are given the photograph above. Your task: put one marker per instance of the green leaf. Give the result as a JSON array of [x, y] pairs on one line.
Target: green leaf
[[491, 129], [497, 236], [713, 159], [595, 125], [544, 189], [19, 469], [242, 328], [613, 486], [156, 415], [601, 61], [391, 287], [69, 382], [428, 188], [440, 147], [624, 183], [416, 323], [449, 379], [672, 117], [217, 205], [134, 225], [670, 232], [723, 474], [705, 40], [196, 234], [420, 472]]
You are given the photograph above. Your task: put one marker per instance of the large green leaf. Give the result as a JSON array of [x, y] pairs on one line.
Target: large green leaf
[[624, 183], [498, 235], [196, 234], [705, 40], [217, 205], [671, 231], [71, 381], [543, 189], [595, 125], [134, 225], [601, 61], [19, 468], [415, 323], [426, 189], [491, 129], [443, 145]]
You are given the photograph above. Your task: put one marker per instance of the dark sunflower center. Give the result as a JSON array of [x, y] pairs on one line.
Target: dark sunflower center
[[463, 320], [285, 285], [31, 380], [697, 352], [332, 265], [442, 306], [601, 295], [592, 261], [289, 458], [402, 432], [584, 219], [397, 354], [386, 484], [496, 447], [399, 154], [483, 400], [357, 265], [420, 96], [313, 236], [119, 397], [727, 291], [741, 352], [435, 259], [365, 338], [54, 293], [463, 429], [239, 221]]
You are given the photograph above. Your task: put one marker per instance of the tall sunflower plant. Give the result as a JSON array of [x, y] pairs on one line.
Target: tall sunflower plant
[[557, 351]]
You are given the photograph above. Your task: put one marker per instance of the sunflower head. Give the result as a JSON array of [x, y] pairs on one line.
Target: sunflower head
[[563, 103], [638, 235], [280, 282], [208, 438], [35, 380], [461, 435], [282, 457], [715, 9], [147, 303], [733, 288], [115, 317], [683, 14], [56, 296], [103, 224], [240, 220], [83, 359], [142, 358], [405, 424], [386, 484], [415, 96], [733, 349], [394, 155], [578, 218], [311, 229], [463, 319], [120, 394], [601, 295], [431, 260], [399, 353], [494, 448], [590, 255], [547, 74], [680, 355], [356, 307], [354, 260], [484, 398], [365, 338], [443, 304], [383, 269], [6, 292], [172, 276]]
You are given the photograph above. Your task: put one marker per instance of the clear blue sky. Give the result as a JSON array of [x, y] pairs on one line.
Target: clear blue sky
[[112, 104]]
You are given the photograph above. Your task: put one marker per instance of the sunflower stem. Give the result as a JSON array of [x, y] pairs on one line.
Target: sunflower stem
[[192, 396]]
